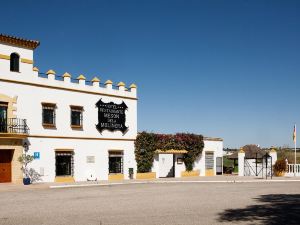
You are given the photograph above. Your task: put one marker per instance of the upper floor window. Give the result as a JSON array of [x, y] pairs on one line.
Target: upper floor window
[[48, 114], [76, 116], [14, 62]]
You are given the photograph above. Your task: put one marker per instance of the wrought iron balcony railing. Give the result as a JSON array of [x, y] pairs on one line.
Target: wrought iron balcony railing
[[14, 126]]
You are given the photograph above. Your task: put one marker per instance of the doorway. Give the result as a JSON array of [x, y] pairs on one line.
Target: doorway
[[3, 117], [64, 163], [5, 165], [166, 165], [219, 165]]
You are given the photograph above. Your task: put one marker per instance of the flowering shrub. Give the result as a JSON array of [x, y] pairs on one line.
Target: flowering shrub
[[147, 143]]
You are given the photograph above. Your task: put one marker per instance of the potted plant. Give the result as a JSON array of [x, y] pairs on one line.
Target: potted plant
[[280, 167], [25, 159]]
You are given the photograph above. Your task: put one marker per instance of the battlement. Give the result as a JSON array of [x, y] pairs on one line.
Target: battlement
[[16, 66]]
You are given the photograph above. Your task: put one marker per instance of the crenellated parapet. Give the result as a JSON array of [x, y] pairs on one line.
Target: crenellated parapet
[[17, 65], [81, 81]]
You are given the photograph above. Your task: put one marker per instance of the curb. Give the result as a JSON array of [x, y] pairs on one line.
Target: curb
[[169, 182]]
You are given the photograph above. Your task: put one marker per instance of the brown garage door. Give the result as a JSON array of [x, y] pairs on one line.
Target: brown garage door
[[5, 165]]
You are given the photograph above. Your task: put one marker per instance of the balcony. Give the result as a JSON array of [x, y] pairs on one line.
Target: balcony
[[14, 126]]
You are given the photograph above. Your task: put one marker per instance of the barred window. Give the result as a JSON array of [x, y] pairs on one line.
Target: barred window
[[115, 162], [76, 116], [64, 163], [48, 114]]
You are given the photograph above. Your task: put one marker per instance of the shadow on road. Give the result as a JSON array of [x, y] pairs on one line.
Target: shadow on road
[[274, 209]]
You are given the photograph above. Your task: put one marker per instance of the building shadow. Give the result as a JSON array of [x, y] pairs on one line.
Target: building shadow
[[276, 209]]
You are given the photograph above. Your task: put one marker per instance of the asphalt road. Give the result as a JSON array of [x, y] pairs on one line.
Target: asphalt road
[[155, 204]]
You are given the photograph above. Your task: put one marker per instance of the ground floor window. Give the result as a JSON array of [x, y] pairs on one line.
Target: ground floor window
[[64, 163], [115, 162]]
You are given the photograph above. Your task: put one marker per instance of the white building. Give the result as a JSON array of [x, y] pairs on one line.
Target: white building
[[210, 162], [57, 119], [77, 130]]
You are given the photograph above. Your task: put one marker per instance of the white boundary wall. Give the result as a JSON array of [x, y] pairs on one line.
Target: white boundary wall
[[210, 145]]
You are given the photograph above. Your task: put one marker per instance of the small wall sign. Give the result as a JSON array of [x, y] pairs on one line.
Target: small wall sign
[[179, 160], [90, 159], [36, 155]]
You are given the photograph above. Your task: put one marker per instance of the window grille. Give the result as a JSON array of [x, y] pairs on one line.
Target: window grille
[[76, 116], [64, 163], [49, 115], [115, 162]]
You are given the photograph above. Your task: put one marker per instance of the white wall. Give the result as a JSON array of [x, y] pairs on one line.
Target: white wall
[[82, 149], [209, 146], [25, 53], [32, 90], [179, 167], [29, 107]]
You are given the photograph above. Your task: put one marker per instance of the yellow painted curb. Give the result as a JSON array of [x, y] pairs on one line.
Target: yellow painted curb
[[118, 176], [141, 176], [64, 179], [209, 173], [193, 173]]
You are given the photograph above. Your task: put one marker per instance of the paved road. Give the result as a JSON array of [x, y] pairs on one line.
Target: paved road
[[155, 204]]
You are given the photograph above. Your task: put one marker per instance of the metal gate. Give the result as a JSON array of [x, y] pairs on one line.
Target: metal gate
[[258, 166]]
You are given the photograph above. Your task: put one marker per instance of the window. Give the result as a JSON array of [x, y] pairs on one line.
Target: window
[[76, 116], [48, 114], [115, 162], [14, 62]]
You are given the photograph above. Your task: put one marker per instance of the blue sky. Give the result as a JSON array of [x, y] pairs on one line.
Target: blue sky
[[227, 69]]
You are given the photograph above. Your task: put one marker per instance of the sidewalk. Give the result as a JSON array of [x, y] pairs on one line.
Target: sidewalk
[[213, 179]]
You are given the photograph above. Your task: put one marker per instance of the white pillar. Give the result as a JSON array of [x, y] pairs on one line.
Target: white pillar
[[108, 84], [67, 77], [51, 74], [241, 161], [81, 80], [133, 88], [95, 82], [35, 71], [121, 86], [273, 154]]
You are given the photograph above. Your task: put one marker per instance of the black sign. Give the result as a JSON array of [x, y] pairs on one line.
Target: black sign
[[111, 116]]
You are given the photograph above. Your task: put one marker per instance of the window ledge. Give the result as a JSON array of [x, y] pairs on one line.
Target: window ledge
[[76, 126], [48, 125]]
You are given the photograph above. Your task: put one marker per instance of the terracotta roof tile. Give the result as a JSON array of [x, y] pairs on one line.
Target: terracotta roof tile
[[12, 40]]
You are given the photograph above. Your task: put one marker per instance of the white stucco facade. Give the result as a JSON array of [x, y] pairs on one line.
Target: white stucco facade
[[84, 151], [211, 145], [30, 91]]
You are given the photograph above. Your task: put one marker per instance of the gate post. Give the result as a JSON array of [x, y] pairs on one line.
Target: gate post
[[241, 162], [273, 154]]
